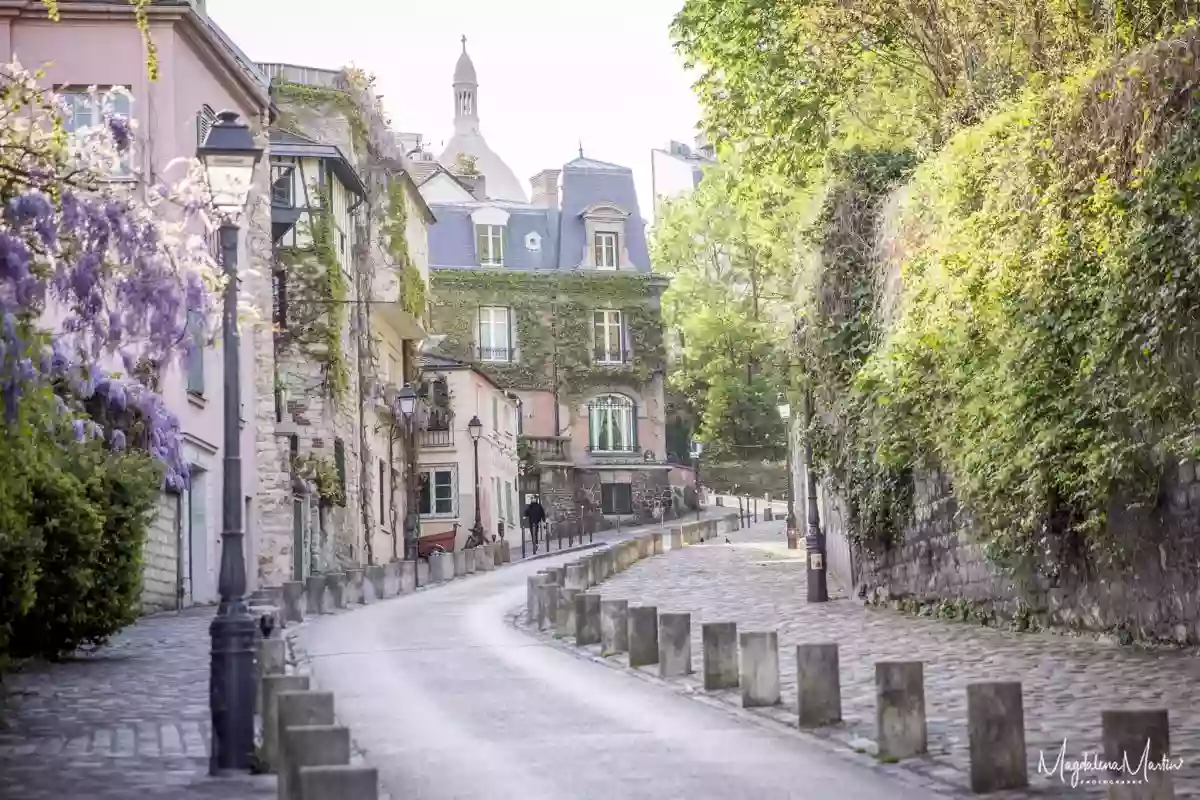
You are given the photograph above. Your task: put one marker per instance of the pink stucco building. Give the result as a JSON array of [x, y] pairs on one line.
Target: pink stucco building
[[200, 71]]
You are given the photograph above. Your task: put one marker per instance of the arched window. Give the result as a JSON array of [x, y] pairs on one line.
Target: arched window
[[612, 424]]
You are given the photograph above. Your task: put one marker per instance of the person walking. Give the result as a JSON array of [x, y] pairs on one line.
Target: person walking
[[535, 515]]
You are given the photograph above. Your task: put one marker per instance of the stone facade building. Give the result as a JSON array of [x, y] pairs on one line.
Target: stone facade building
[[556, 301], [349, 277]]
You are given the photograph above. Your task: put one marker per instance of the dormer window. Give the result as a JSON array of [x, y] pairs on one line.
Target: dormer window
[[489, 245], [606, 254]]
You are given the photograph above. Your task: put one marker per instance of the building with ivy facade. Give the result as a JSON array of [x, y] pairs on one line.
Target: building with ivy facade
[[349, 281], [554, 298]]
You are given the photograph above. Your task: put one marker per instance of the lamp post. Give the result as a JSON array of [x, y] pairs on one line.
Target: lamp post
[[696, 449], [814, 539], [229, 156], [406, 402], [793, 535], [475, 428]]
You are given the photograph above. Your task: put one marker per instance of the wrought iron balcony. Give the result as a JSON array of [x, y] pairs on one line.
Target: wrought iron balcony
[[435, 438], [495, 354]]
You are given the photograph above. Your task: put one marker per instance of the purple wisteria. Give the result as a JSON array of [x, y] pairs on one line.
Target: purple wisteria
[[95, 283]]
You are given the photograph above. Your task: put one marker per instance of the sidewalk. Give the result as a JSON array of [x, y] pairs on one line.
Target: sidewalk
[[1066, 681], [128, 723]]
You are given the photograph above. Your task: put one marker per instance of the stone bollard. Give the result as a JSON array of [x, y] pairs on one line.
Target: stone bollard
[[576, 577], [297, 708], [314, 594], [422, 572], [587, 619], [614, 626], [719, 652], [767, 515], [533, 597], [293, 601], [818, 685], [441, 568], [900, 708], [327, 605], [473, 556], [759, 675], [339, 782], [460, 563], [548, 605], [674, 645], [498, 553], [310, 746], [676, 538], [391, 579], [272, 687], [408, 575], [353, 593], [645, 547], [505, 552], [335, 585], [996, 732], [373, 586], [271, 660], [489, 558], [643, 636], [564, 613], [1132, 734], [656, 544]]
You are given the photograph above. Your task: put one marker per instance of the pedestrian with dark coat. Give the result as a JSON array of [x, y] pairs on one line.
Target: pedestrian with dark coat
[[535, 515]]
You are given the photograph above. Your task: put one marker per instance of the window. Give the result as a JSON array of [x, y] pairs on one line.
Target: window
[[499, 499], [608, 333], [489, 245], [611, 425], [339, 462], [616, 498], [606, 250], [495, 414], [87, 111], [282, 185], [205, 118], [383, 515], [195, 356], [437, 492], [495, 334], [508, 500]]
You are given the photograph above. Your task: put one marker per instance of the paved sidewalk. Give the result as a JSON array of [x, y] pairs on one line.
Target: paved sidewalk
[[1067, 681], [130, 722]]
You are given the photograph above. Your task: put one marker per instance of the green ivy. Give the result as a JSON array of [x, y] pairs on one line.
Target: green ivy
[[394, 229], [553, 319], [318, 292], [317, 97], [1047, 356], [322, 472]]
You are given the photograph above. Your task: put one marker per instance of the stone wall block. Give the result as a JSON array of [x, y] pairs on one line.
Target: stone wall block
[[759, 669], [587, 619], [310, 746], [818, 685], [643, 636], [674, 645], [614, 626], [719, 647], [900, 708], [996, 734]]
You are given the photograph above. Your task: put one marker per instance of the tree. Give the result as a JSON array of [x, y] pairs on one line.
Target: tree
[[733, 277], [102, 285]]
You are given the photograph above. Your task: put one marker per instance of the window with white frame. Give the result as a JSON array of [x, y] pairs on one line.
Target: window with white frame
[[608, 335], [439, 488], [495, 334], [612, 424], [87, 110], [489, 245], [606, 250]]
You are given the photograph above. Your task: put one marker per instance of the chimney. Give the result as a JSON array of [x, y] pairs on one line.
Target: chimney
[[545, 188]]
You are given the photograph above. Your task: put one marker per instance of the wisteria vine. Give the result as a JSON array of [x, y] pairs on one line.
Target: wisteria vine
[[104, 281]]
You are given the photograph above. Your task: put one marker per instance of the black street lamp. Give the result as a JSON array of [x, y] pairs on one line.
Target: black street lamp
[[475, 428], [814, 539], [793, 535], [406, 402], [696, 449], [229, 156]]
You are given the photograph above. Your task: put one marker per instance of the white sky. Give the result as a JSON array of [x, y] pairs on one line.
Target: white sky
[[551, 72]]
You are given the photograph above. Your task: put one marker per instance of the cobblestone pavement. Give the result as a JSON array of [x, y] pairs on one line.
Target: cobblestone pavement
[[1066, 681], [130, 721]]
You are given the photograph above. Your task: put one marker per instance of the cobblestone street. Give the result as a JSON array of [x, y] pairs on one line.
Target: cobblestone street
[[1066, 681], [131, 721]]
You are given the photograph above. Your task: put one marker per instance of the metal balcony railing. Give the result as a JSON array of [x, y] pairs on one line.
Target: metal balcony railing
[[435, 438], [504, 354], [550, 448]]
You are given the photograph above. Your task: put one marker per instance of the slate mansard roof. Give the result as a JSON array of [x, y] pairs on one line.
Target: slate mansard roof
[[585, 183]]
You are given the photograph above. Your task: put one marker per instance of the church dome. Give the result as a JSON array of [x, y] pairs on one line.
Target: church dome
[[499, 182]]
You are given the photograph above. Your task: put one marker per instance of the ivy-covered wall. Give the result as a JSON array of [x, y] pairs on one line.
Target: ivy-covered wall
[[552, 318]]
